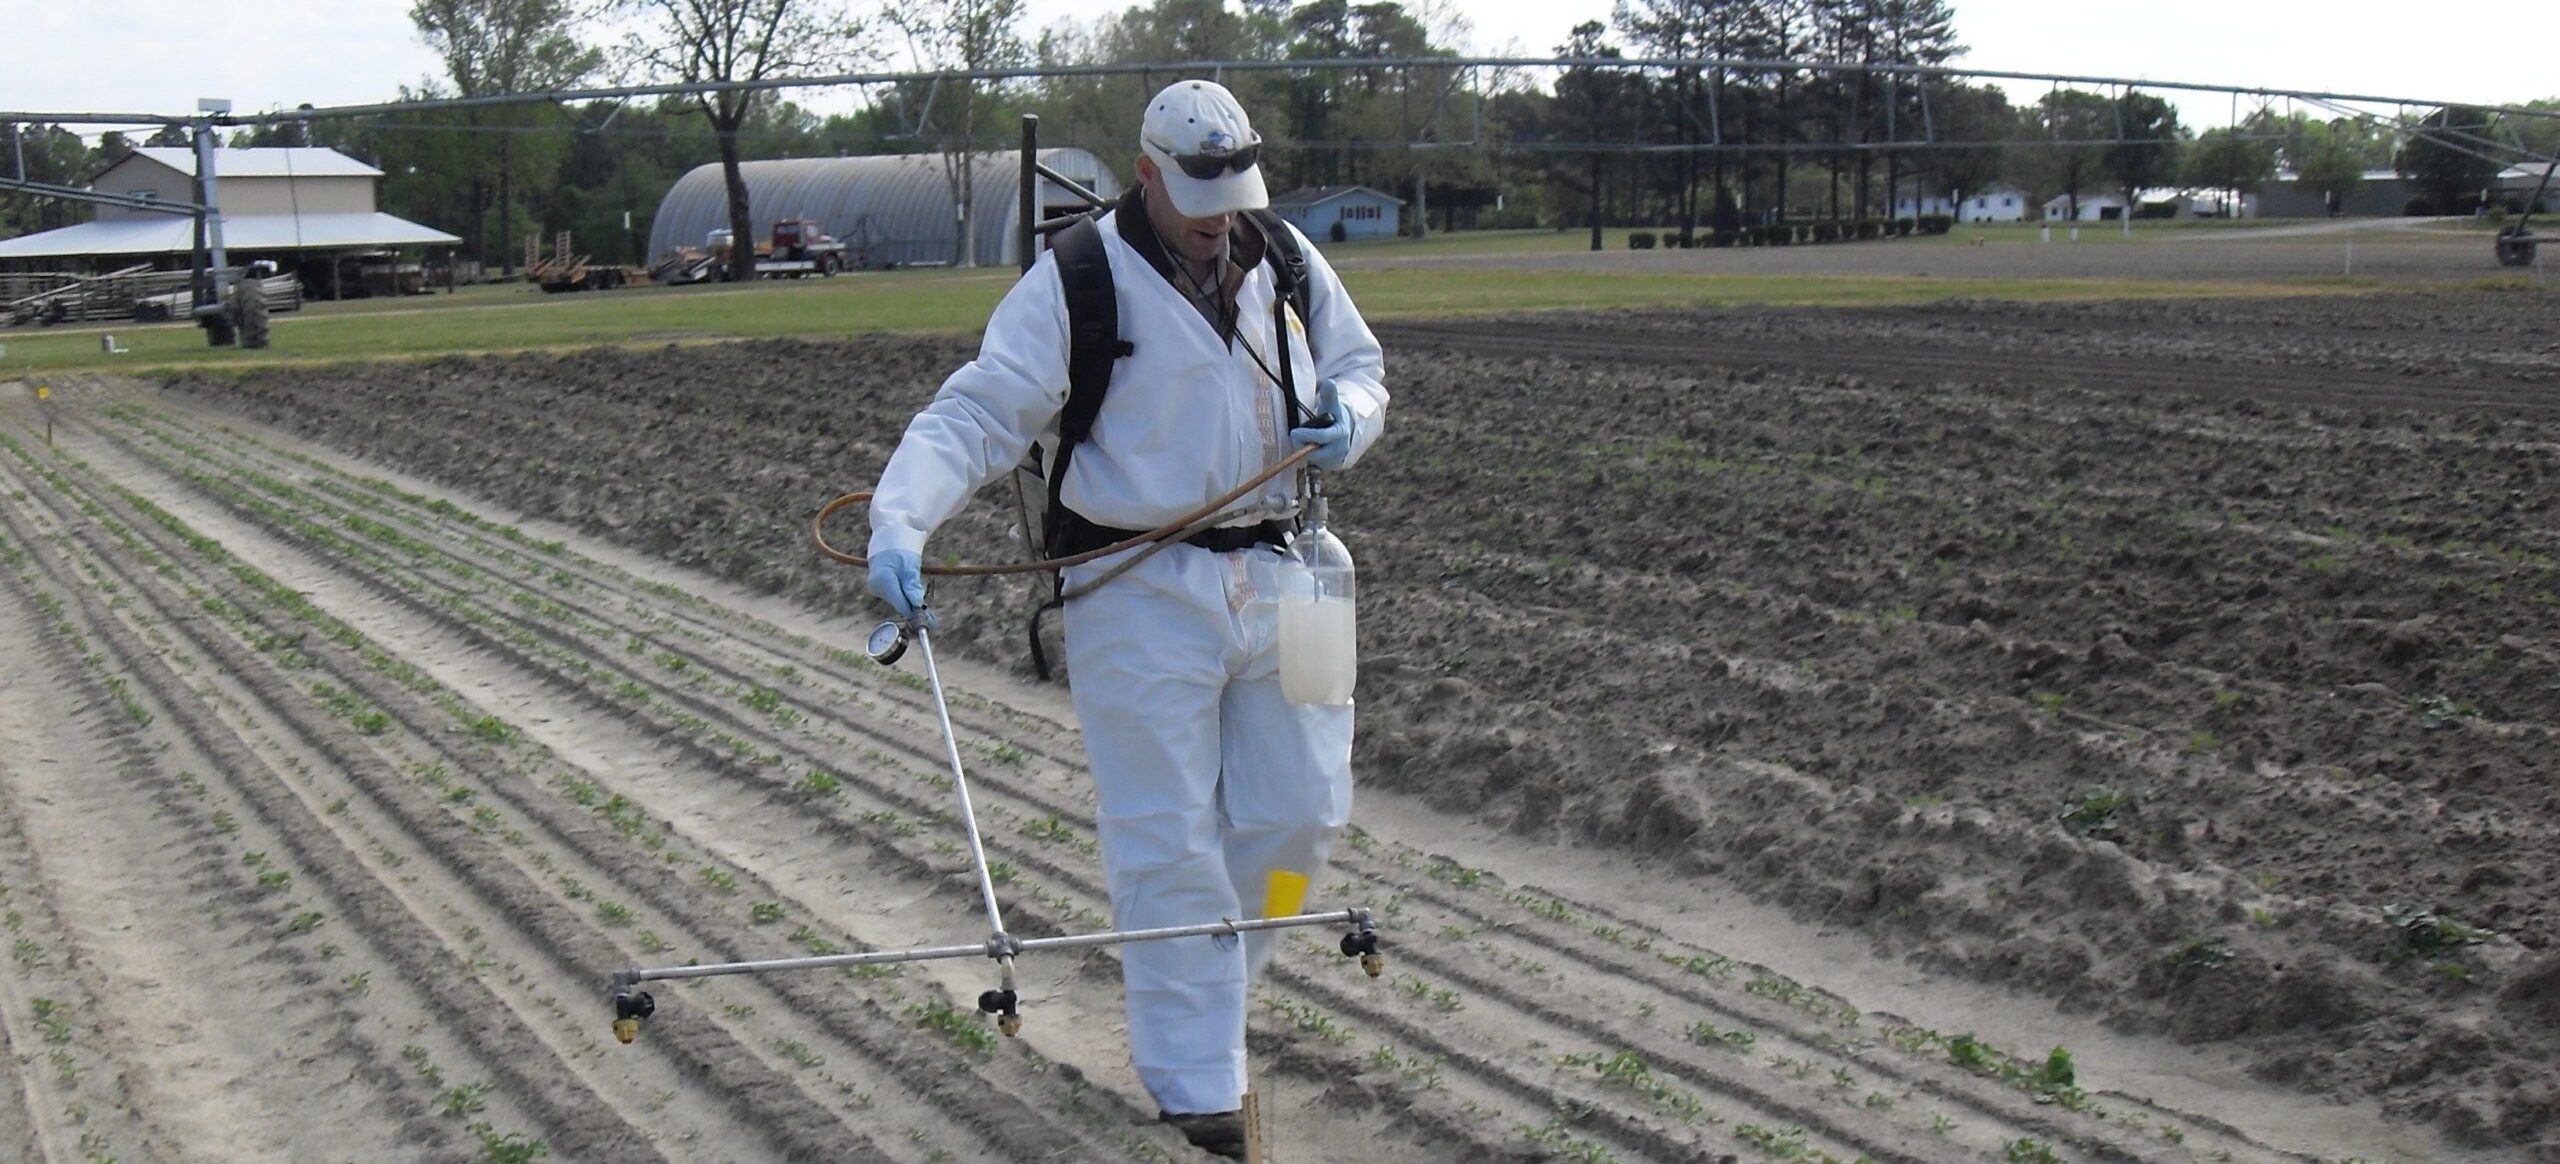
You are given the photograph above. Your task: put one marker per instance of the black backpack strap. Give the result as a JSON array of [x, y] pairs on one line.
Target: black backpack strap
[[1093, 346], [1289, 279], [1288, 260]]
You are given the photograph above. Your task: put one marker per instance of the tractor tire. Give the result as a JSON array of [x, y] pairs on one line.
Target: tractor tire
[[2515, 249], [250, 310]]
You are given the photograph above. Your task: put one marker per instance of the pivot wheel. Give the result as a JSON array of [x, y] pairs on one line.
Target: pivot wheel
[[2515, 248], [249, 309]]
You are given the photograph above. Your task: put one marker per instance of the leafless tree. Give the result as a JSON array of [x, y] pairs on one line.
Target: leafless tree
[[962, 34]]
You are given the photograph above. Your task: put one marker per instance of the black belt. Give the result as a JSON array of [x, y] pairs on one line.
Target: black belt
[[1077, 535]]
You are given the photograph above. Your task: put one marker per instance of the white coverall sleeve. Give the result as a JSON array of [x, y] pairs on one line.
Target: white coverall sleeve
[[1346, 351], [983, 420]]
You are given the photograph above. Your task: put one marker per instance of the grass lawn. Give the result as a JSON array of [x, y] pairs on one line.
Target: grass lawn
[[516, 318]]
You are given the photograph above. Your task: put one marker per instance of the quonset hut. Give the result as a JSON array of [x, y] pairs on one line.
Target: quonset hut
[[892, 210]]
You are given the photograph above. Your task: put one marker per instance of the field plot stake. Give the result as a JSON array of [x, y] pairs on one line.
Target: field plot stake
[[630, 1005]]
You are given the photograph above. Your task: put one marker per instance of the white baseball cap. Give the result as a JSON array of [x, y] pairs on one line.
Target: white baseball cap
[[1209, 154]]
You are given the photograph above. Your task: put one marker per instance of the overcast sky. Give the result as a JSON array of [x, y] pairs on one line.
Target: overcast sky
[[130, 56]]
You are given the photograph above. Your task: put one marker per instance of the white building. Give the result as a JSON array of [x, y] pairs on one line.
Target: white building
[[2095, 206], [302, 207], [1916, 206], [1997, 204]]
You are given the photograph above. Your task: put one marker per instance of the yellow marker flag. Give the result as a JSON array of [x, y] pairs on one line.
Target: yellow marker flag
[[1286, 895], [43, 393]]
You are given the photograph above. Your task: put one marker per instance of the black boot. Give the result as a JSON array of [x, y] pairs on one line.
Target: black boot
[[1219, 1133]]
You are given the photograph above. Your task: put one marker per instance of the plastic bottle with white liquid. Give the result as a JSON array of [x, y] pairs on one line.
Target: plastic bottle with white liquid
[[1319, 620]]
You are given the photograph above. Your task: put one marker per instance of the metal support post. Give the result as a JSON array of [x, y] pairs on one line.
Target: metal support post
[[1030, 205], [214, 314]]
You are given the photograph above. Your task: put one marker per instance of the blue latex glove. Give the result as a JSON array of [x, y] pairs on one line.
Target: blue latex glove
[[1333, 439], [897, 576]]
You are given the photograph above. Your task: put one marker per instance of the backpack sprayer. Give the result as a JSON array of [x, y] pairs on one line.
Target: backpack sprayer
[[888, 643]]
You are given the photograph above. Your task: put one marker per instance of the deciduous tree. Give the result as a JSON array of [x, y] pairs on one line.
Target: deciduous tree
[[493, 47], [2442, 157], [738, 43]]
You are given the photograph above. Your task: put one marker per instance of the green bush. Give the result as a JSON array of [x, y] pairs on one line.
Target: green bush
[[1724, 238], [2418, 206], [1826, 230], [1937, 223], [1870, 228], [2154, 210], [1640, 240]]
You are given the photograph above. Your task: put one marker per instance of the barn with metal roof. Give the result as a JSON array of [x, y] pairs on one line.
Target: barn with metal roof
[[296, 205], [894, 210]]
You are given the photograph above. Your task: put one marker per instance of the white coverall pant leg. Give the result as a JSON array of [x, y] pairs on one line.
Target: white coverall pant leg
[[1207, 781]]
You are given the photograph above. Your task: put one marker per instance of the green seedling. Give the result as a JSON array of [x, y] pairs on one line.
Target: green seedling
[[464, 1099], [720, 880], [1705, 1034], [1629, 1070], [2203, 952], [304, 922], [511, 1148], [2095, 815], [959, 1026], [2424, 932], [765, 912], [2437, 711], [1307, 1018], [821, 783], [52, 1019]]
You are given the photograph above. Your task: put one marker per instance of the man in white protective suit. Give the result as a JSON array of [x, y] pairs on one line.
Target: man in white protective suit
[[1208, 780]]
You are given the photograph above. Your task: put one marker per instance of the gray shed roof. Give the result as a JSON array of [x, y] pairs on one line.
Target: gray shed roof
[[259, 162], [174, 234], [1318, 195], [898, 207]]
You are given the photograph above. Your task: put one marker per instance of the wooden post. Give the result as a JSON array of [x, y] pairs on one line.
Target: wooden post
[[1254, 1150]]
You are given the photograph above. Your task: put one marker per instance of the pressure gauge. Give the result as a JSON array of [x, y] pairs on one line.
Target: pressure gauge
[[888, 642]]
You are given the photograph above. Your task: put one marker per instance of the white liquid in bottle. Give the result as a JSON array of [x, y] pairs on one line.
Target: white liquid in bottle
[[1319, 648], [1319, 625]]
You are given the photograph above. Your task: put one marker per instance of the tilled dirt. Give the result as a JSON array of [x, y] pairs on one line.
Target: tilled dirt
[[2126, 676], [2367, 252]]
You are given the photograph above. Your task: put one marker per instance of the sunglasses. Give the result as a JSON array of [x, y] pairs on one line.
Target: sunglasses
[[1206, 166]]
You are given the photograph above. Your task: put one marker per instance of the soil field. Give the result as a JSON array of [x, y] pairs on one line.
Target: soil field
[[1982, 732], [2384, 252]]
